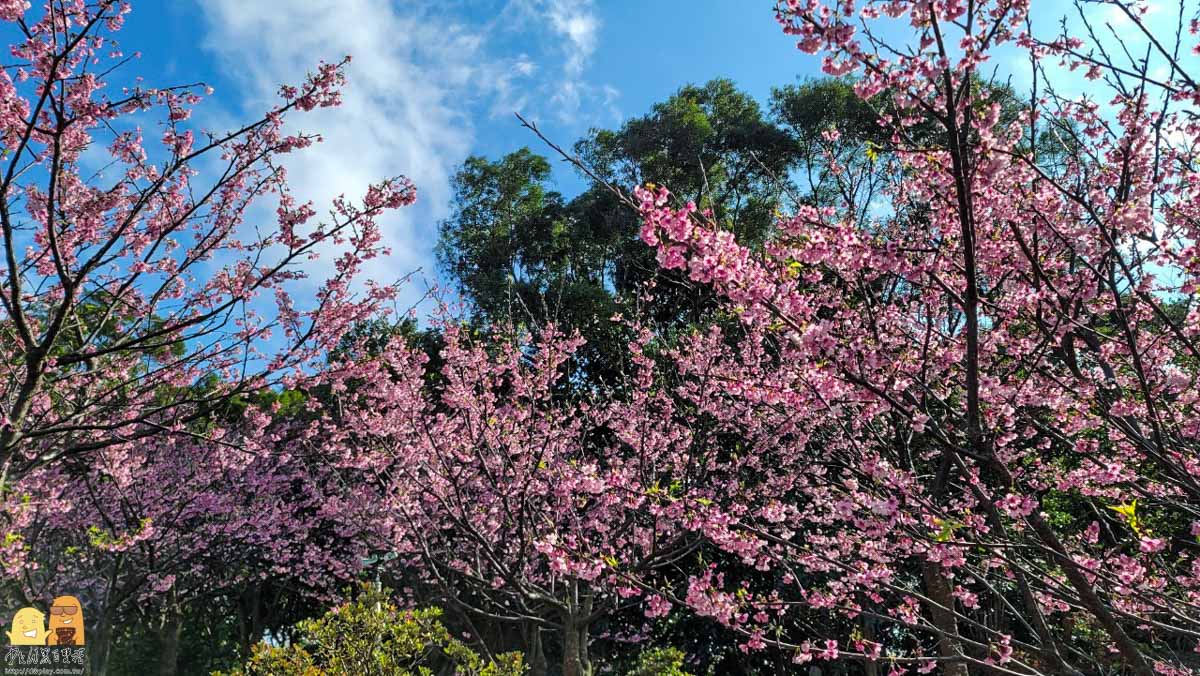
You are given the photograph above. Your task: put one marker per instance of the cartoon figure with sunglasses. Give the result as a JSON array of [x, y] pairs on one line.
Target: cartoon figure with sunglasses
[[66, 622]]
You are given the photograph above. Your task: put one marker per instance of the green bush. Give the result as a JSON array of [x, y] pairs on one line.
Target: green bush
[[660, 662], [372, 637]]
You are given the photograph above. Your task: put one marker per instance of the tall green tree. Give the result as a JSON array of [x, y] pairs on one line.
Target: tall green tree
[[519, 252]]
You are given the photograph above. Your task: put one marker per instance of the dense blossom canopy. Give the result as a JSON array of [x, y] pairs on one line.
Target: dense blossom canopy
[[949, 423], [142, 300], [989, 383]]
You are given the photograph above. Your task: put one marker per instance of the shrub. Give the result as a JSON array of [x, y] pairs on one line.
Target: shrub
[[660, 662], [371, 636]]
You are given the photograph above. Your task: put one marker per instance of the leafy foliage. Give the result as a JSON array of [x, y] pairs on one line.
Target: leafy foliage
[[373, 637], [660, 662]]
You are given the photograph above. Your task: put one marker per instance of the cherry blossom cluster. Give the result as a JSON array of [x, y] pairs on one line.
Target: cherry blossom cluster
[[985, 388]]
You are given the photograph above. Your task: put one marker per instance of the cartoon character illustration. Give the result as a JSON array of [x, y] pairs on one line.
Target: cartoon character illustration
[[28, 628], [66, 622]]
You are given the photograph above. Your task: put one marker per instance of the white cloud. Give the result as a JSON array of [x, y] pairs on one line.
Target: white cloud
[[524, 66], [574, 20], [576, 27], [611, 95], [418, 79]]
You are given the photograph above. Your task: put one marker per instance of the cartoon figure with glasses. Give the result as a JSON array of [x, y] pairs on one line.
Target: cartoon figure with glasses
[[66, 622]]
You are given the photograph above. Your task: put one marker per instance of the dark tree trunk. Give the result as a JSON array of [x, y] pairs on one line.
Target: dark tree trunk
[[575, 628], [575, 657], [99, 645], [168, 642], [534, 650], [937, 587], [250, 620]]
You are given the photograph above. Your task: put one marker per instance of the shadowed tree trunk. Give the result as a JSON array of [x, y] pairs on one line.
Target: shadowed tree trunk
[[250, 618], [99, 645], [535, 651], [168, 641], [576, 624], [937, 587], [575, 657]]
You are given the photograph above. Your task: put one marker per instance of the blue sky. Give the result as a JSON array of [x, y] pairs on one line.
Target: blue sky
[[433, 82]]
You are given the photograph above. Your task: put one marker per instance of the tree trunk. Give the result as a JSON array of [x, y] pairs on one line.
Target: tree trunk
[[937, 587], [585, 656], [99, 645], [575, 650], [168, 641], [535, 651], [250, 618]]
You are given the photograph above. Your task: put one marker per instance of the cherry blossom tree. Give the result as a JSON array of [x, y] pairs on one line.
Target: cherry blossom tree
[[149, 283], [145, 535], [135, 268], [985, 387], [519, 497]]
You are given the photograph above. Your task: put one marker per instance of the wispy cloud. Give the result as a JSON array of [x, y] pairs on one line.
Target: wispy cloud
[[575, 27], [579, 29], [418, 83]]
